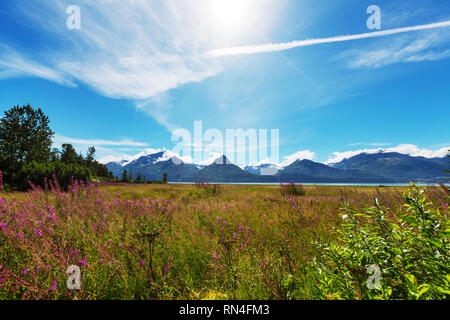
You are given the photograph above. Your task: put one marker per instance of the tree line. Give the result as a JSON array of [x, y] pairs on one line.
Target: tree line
[[26, 154]]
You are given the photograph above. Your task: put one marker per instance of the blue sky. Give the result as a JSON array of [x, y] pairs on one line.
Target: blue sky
[[136, 70]]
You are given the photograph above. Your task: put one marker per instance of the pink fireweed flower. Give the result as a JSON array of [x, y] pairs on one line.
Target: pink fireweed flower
[[25, 271], [38, 233], [82, 262], [3, 225], [166, 269], [47, 267], [445, 205], [109, 241], [2, 201], [54, 285], [20, 235], [142, 263], [235, 235]]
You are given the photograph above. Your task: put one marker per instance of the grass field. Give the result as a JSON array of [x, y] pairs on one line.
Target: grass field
[[183, 241]]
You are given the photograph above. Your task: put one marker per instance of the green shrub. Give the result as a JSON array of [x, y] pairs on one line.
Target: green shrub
[[64, 173], [410, 248], [292, 189]]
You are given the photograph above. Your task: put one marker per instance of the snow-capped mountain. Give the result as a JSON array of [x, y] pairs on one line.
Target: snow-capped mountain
[[264, 169]]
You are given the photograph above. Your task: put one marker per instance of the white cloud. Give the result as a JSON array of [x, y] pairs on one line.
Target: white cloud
[[124, 49], [408, 149], [276, 47], [424, 47], [300, 155], [13, 64], [60, 139]]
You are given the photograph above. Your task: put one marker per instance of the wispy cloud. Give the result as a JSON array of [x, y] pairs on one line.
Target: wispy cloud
[[60, 139], [409, 149], [14, 64], [276, 47], [426, 47], [125, 49]]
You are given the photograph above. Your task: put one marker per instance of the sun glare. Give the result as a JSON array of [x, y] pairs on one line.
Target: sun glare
[[229, 14]]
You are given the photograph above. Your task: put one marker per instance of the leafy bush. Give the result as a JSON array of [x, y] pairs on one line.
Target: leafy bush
[[292, 189], [409, 248], [36, 173]]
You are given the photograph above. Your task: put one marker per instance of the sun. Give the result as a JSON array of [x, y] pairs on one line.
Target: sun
[[229, 15]]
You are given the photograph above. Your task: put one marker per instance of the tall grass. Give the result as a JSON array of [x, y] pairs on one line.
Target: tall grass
[[166, 242]]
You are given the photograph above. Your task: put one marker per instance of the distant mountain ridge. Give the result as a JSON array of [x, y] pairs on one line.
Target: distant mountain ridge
[[397, 166], [363, 168]]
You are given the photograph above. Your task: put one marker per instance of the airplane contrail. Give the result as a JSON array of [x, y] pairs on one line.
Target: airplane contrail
[[273, 47]]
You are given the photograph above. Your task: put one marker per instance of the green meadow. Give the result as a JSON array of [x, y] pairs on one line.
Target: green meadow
[[202, 241]]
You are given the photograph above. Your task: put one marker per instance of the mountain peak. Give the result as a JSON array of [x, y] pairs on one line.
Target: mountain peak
[[222, 160]]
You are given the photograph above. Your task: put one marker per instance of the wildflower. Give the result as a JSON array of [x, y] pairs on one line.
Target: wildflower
[[54, 285], [109, 241], [3, 225], [2, 201], [166, 269], [445, 205], [38, 233], [225, 208], [47, 267], [235, 235], [142, 263], [25, 271], [20, 235], [82, 262]]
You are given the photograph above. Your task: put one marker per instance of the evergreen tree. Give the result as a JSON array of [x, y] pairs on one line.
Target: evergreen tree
[[125, 176], [68, 154], [25, 136], [90, 156]]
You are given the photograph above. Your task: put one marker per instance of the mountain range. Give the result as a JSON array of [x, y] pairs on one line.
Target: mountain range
[[363, 168]]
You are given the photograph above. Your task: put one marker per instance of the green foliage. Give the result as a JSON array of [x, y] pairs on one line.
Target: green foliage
[[25, 136], [410, 247], [25, 140], [65, 174], [292, 189]]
